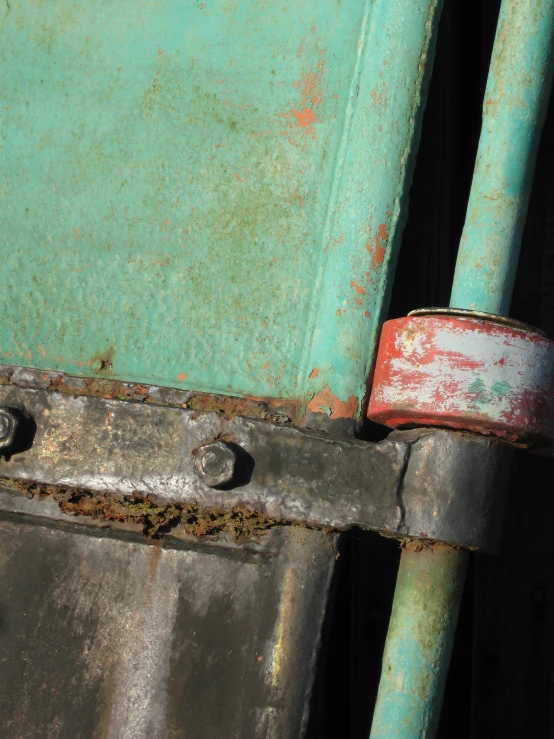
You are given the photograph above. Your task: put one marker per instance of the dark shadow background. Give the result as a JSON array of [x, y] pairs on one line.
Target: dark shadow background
[[500, 683]]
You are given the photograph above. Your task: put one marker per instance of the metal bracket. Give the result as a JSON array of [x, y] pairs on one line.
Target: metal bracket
[[433, 484]]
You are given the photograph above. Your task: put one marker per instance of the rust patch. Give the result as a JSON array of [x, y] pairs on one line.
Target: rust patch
[[268, 409], [314, 373], [155, 520], [418, 545], [103, 364], [337, 408], [304, 117], [377, 246]]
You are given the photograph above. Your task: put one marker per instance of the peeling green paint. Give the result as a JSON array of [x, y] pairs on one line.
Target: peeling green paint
[[206, 195], [483, 397]]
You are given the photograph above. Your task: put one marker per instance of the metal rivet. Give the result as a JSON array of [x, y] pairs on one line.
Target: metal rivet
[[8, 428], [215, 464]]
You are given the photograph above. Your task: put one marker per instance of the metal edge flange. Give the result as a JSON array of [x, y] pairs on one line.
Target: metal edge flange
[[465, 371]]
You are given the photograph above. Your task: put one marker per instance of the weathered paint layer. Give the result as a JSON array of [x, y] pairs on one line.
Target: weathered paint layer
[[467, 374], [188, 191]]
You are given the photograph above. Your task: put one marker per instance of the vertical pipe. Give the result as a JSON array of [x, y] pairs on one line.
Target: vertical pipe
[[514, 108], [419, 642], [430, 582]]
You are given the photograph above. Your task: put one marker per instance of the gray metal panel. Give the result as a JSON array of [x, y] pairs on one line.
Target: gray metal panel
[[107, 636]]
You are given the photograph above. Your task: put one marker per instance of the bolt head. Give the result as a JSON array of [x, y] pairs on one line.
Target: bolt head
[[215, 464], [8, 428]]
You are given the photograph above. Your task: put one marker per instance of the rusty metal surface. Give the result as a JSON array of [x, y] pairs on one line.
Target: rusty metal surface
[[108, 636], [466, 373], [207, 195], [127, 461]]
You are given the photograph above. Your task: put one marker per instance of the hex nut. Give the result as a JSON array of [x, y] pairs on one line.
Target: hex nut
[[8, 428], [215, 464]]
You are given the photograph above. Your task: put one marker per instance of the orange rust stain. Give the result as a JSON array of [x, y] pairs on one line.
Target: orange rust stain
[[76, 233], [181, 376], [357, 301], [378, 255], [338, 408], [295, 196], [301, 48], [41, 350], [357, 288], [28, 354], [304, 117], [377, 97], [266, 366], [377, 246], [314, 373], [341, 311], [366, 314]]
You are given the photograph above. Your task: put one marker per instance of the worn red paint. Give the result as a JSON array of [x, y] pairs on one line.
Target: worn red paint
[[181, 376], [314, 373], [326, 401], [465, 373], [357, 288]]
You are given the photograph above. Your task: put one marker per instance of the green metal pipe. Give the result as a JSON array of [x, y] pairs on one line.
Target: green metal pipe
[[514, 108], [430, 582], [419, 642]]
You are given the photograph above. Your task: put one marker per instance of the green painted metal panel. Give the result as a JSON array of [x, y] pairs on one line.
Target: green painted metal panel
[[206, 195]]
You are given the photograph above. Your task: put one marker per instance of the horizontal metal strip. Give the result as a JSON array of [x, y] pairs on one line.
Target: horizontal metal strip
[[135, 450]]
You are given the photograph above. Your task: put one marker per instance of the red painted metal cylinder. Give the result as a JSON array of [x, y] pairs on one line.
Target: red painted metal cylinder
[[463, 372]]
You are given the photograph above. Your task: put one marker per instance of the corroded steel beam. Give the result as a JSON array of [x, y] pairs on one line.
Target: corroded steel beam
[[128, 461]]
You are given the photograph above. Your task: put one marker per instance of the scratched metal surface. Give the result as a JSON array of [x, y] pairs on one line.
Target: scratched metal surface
[[106, 636], [207, 195]]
